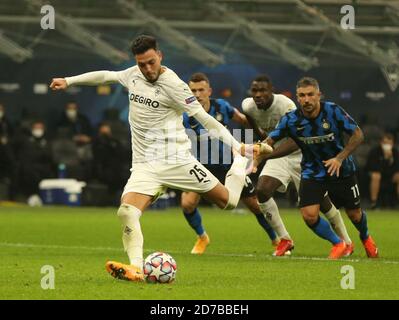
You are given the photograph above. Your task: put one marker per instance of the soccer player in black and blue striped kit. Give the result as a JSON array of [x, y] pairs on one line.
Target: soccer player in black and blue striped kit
[[327, 165]]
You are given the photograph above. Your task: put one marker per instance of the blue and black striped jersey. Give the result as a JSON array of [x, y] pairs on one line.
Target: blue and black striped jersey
[[206, 151], [319, 139]]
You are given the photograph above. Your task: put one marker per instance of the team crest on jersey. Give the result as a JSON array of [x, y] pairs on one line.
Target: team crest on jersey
[[219, 117], [325, 125], [134, 80], [157, 91]]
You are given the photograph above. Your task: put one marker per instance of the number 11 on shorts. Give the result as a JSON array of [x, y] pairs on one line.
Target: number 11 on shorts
[[355, 190]]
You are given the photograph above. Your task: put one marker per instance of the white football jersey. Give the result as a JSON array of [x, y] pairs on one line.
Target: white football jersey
[[268, 119], [155, 115]]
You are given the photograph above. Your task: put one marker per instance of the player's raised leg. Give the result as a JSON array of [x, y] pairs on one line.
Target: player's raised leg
[[129, 213], [189, 203], [228, 195]]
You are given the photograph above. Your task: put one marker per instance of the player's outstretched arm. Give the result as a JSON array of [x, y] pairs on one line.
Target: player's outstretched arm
[[58, 84], [263, 151], [241, 119], [217, 130], [284, 149], [89, 78]]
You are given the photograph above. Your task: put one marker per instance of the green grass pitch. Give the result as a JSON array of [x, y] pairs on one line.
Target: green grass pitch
[[237, 265]]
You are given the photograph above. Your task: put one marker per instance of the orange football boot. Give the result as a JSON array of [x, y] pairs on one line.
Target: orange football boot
[[371, 247], [283, 247], [201, 244], [124, 271], [349, 249], [337, 251]]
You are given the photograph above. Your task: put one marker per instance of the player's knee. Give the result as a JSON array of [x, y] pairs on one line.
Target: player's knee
[[263, 193], [123, 210], [310, 218], [355, 215], [188, 205], [252, 204]]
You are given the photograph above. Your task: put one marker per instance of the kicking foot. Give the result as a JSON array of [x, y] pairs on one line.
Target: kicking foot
[[124, 272]]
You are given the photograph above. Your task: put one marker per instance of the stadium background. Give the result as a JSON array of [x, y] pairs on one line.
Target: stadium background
[[231, 41], [347, 76]]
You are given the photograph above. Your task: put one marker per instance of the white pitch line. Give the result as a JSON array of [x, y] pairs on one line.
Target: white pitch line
[[48, 246]]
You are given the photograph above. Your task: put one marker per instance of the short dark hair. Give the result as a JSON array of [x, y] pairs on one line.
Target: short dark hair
[[198, 77], [143, 43], [388, 135], [306, 82], [262, 78], [36, 121]]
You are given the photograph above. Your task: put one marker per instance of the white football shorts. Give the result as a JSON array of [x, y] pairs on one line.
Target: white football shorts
[[154, 178], [285, 169]]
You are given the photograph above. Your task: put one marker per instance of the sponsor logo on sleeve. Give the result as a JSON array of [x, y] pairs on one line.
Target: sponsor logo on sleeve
[[190, 100]]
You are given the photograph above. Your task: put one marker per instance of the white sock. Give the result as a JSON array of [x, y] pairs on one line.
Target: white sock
[[235, 180], [335, 218], [272, 215], [132, 237]]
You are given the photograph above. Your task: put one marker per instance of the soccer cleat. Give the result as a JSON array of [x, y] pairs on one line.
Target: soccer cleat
[[201, 244], [337, 251], [124, 272], [284, 248], [275, 243], [349, 249], [371, 247]]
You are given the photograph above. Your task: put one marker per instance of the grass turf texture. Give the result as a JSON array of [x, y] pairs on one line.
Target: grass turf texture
[[237, 264]]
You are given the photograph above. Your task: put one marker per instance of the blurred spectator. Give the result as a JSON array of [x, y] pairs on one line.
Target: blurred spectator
[[120, 130], [372, 130], [77, 128], [7, 158], [35, 160], [77, 124], [111, 160], [383, 167], [372, 135], [67, 154], [6, 130]]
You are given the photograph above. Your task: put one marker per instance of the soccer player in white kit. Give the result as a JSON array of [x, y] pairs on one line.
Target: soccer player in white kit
[[264, 110], [161, 148]]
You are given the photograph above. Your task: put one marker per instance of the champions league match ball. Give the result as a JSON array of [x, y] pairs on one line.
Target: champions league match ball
[[159, 267]]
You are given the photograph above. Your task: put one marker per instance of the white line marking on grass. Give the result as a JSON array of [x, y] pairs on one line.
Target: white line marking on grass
[[269, 257], [50, 246]]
